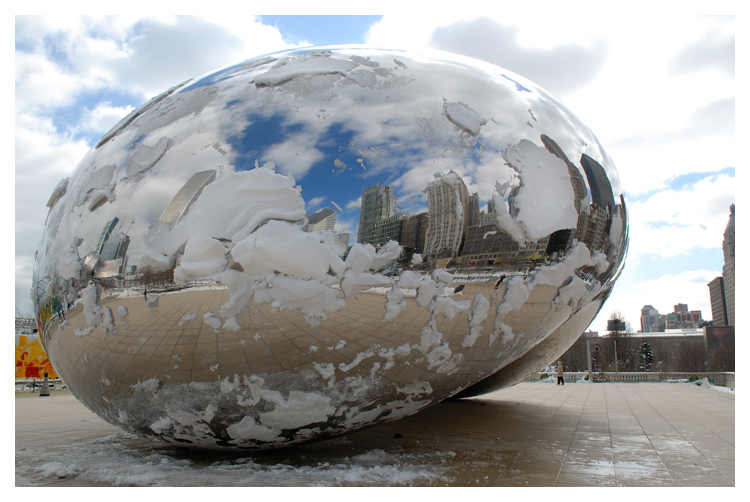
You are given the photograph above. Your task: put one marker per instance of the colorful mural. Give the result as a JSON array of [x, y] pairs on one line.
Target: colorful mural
[[31, 359]]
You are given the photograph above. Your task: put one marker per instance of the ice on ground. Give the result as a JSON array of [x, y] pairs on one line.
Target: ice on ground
[[704, 382], [117, 460], [57, 469]]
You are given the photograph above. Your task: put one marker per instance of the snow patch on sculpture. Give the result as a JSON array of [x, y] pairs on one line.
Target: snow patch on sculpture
[[464, 117], [290, 68], [541, 201]]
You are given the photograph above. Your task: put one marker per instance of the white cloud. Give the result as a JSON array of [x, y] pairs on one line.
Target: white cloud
[[354, 204], [313, 203], [43, 157], [102, 118], [674, 222], [557, 68]]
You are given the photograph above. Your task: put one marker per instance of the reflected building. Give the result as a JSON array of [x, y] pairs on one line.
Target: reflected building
[[563, 239], [324, 219], [601, 189], [413, 234], [186, 196], [378, 221], [106, 231], [486, 245], [473, 209], [113, 259], [448, 207], [110, 258]]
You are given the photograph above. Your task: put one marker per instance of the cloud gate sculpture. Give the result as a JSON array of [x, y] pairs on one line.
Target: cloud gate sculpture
[[318, 240]]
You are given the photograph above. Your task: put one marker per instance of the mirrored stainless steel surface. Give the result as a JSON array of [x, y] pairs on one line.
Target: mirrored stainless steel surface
[[314, 241]]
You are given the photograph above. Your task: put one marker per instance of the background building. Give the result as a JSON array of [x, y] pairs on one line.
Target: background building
[[718, 302], [649, 319], [728, 270]]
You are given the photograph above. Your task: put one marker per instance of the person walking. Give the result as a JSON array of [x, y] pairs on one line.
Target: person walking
[[560, 379]]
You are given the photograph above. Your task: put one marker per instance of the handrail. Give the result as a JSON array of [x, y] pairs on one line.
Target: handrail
[[725, 379]]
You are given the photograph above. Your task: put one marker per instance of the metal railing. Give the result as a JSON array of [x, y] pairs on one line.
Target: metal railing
[[716, 378]]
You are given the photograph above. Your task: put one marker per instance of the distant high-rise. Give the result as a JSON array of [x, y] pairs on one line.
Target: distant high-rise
[[649, 319], [681, 318], [323, 219], [378, 222], [718, 302], [728, 269]]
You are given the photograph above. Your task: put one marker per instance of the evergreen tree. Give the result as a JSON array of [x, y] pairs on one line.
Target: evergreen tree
[[645, 356]]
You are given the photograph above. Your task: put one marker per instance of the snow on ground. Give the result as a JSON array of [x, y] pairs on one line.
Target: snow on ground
[[705, 383], [119, 460]]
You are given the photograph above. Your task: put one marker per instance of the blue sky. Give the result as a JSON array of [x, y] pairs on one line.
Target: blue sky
[[661, 103]]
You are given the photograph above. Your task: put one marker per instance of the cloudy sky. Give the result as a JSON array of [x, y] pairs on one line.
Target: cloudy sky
[[657, 90]]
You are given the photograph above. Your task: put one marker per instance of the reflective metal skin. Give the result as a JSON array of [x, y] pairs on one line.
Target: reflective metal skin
[[315, 241]]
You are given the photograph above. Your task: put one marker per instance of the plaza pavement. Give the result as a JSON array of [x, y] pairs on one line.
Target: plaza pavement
[[532, 434]]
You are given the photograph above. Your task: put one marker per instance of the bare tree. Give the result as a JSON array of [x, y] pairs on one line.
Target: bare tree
[[22, 305], [623, 345]]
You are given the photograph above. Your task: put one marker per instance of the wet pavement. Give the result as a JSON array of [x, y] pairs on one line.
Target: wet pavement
[[532, 434]]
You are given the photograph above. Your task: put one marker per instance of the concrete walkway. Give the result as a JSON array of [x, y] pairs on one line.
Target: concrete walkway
[[533, 434]]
